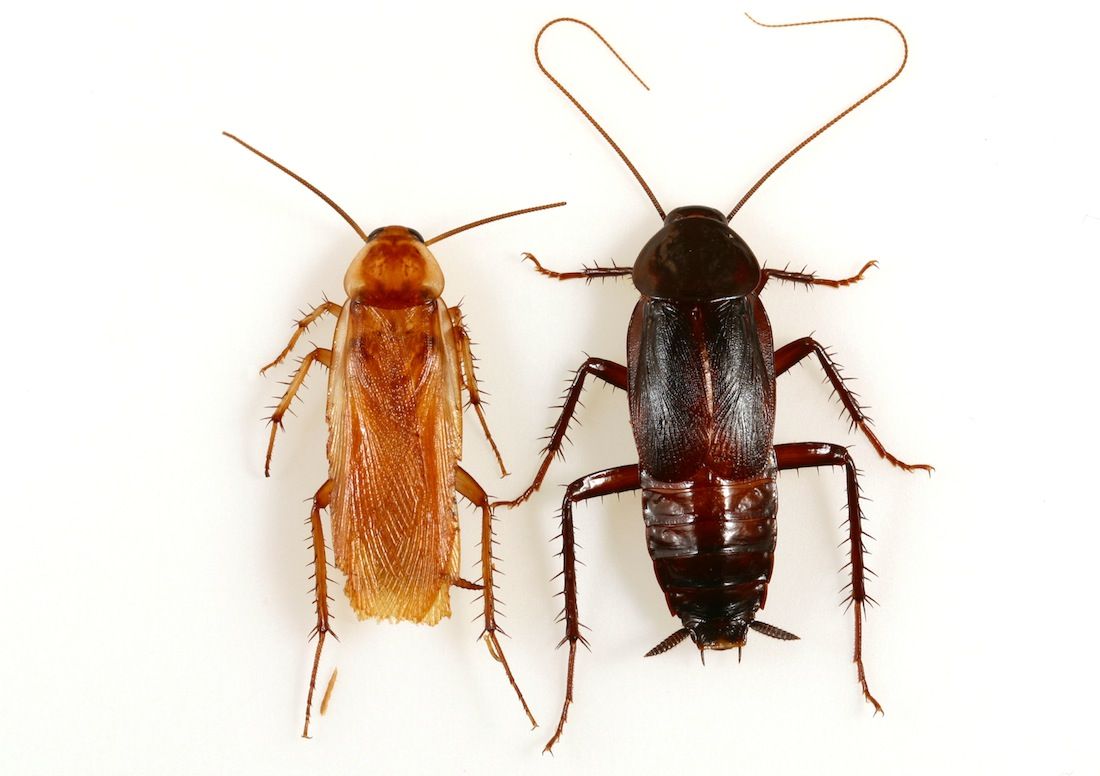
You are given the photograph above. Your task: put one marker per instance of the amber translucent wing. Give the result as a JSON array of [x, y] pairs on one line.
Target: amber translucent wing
[[395, 438]]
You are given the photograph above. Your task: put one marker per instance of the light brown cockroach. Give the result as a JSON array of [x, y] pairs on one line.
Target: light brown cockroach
[[398, 363]]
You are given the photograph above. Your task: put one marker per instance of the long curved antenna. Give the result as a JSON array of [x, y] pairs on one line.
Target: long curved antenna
[[489, 220], [305, 183], [839, 116], [585, 113]]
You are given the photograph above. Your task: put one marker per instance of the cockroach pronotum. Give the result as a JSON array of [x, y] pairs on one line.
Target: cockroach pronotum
[[398, 362], [700, 383]]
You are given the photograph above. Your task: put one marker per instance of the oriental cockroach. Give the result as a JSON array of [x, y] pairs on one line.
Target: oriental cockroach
[[700, 383], [399, 360]]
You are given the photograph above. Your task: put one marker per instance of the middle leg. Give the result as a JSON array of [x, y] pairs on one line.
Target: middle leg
[[469, 378], [793, 352], [609, 372]]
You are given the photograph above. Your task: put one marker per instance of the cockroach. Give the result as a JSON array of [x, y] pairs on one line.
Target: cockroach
[[400, 358], [700, 383]]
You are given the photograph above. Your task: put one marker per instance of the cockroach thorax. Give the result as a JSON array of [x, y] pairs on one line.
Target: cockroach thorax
[[394, 269]]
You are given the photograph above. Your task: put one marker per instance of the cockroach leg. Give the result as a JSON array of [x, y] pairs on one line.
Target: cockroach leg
[[301, 326], [320, 592], [321, 355], [327, 697], [587, 273], [466, 584], [802, 455], [809, 278], [621, 479], [469, 379], [793, 352], [609, 372], [469, 489]]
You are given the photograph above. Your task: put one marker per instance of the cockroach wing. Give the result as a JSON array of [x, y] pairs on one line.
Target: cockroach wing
[[743, 387], [668, 398], [395, 437]]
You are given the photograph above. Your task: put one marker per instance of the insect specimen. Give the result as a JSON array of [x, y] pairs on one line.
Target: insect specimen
[[398, 363], [700, 382]]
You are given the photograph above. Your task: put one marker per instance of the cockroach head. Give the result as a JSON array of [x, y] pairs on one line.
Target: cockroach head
[[696, 256], [394, 269]]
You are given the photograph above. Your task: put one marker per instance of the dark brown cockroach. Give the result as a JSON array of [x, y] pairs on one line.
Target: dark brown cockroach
[[398, 362], [700, 382]]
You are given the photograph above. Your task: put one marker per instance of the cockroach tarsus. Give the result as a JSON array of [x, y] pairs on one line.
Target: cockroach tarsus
[[399, 361], [700, 383]]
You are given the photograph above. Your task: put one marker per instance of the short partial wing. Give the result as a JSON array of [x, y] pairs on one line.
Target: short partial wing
[[743, 381], [669, 409]]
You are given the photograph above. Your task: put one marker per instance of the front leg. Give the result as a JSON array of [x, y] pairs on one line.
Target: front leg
[[621, 479], [793, 352], [586, 273], [609, 372], [813, 454], [322, 355], [301, 326], [469, 378], [810, 278]]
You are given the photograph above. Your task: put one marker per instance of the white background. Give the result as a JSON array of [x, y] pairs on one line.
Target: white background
[[154, 589]]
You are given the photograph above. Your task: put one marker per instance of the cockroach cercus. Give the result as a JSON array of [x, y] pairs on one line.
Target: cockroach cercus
[[398, 363], [700, 383]]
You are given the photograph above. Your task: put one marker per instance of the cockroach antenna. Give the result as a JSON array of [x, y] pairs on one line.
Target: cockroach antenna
[[304, 182], [585, 113], [813, 135]]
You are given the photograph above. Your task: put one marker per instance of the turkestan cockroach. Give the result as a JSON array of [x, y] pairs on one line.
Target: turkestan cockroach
[[398, 362], [700, 383]]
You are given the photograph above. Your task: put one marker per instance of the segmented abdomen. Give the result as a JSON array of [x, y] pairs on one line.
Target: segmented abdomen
[[712, 543]]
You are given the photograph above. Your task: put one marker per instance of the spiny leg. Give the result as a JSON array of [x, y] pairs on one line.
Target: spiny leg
[[303, 324], [802, 455], [321, 355], [793, 352], [469, 378], [469, 489], [810, 278], [621, 479], [320, 593], [587, 273], [609, 372]]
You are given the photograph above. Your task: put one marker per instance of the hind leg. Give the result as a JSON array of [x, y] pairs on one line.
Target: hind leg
[[621, 479], [814, 454], [320, 591], [469, 489]]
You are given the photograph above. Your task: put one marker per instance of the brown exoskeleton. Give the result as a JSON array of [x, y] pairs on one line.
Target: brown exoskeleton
[[399, 361], [700, 382]]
